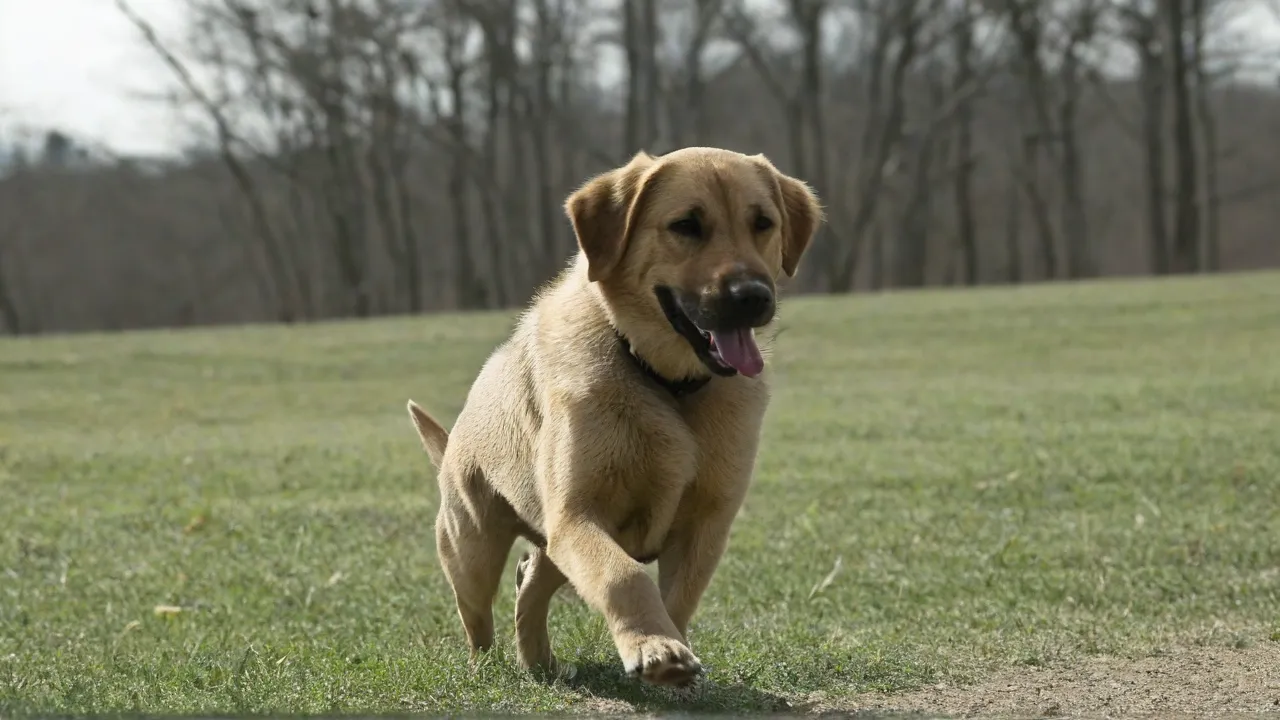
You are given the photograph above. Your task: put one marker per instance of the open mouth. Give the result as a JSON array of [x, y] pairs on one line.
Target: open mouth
[[725, 352]]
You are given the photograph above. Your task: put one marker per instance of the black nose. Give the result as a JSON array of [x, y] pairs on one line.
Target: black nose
[[749, 302]]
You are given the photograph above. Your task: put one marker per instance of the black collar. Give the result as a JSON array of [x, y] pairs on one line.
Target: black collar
[[677, 388]]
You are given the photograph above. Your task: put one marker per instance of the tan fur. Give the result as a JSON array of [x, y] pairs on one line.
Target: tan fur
[[565, 442]]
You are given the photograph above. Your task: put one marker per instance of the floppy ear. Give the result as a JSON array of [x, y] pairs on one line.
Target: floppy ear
[[603, 213], [802, 214]]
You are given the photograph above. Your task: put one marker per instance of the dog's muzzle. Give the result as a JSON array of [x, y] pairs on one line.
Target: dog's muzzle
[[719, 322]]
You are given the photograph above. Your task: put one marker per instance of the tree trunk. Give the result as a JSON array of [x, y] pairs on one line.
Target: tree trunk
[[470, 290], [394, 153], [966, 231], [633, 133], [388, 221], [652, 105], [811, 89], [1211, 201], [875, 257], [8, 308], [412, 249], [1186, 215], [1029, 176], [569, 157], [1036, 121], [517, 213], [911, 255], [811, 110], [540, 125], [1152, 78], [469, 294], [1075, 216], [1208, 131], [1013, 232], [911, 251], [694, 129], [879, 142], [499, 99]]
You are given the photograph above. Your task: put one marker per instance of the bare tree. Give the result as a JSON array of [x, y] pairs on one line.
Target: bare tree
[[548, 37], [1027, 27], [744, 29], [640, 41], [896, 44], [362, 157], [920, 155], [505, 107], [471, 288], [393, 135], [689, 109], [807, 16], [1082, 22], [281, 279]]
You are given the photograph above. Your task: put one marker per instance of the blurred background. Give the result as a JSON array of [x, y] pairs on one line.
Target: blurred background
[[182, 162]]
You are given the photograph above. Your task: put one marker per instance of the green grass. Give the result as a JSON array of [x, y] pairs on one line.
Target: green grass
[[1004, 477]]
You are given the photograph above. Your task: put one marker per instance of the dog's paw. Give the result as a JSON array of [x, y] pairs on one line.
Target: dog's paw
[[550, 669], [563, 671], [662, 660]]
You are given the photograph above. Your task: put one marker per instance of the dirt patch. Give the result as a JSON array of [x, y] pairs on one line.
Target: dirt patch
[[1194, 681]]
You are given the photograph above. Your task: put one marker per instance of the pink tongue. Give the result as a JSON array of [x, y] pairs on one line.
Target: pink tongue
[[738, 348]]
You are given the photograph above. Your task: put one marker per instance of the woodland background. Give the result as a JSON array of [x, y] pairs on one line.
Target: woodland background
[[356, 158]]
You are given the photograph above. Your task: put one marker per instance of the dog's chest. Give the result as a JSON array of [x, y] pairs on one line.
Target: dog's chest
[[658, 465], [700, 451]]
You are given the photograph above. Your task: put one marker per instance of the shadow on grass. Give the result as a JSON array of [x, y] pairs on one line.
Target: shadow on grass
[[605, 680]]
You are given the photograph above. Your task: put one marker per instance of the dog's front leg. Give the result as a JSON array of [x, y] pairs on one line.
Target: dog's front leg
[[690, 558], [616, 585]]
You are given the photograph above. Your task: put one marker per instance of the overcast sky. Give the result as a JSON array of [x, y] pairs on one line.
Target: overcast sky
[[73, 64]]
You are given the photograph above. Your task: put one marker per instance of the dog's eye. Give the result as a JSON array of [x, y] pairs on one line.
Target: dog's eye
[[762, 223], [689, 227]]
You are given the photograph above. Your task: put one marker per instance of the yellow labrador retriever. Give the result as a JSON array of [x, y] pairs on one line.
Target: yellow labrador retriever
[[619, 423]]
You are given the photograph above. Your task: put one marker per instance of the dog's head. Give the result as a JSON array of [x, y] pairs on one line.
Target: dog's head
[[702, 235]]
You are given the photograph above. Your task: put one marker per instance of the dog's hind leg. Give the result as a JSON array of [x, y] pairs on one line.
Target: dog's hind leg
[[473, 539], [537, 580]]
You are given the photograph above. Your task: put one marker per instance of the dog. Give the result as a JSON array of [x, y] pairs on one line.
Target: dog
[[619, 423]]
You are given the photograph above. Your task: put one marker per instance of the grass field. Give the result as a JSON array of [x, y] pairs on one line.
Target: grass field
[[951, 484]]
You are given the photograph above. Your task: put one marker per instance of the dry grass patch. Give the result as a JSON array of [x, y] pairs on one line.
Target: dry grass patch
[[1200, 681]]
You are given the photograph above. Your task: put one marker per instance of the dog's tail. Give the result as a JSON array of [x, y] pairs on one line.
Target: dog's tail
[[434, 436]]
